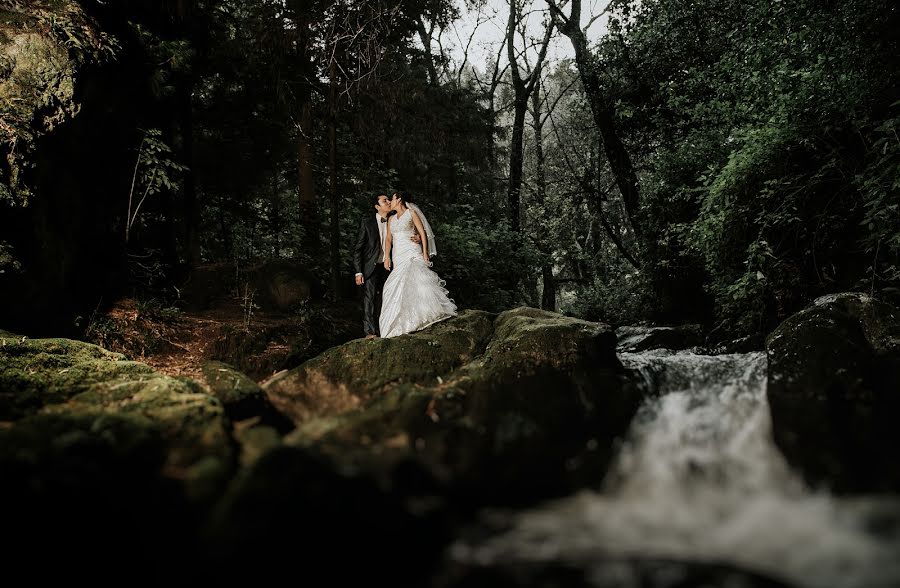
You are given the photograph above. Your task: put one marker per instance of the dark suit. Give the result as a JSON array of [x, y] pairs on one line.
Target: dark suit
[[368, 260]]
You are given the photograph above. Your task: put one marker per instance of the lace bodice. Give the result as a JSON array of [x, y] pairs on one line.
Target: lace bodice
[[403, 226]]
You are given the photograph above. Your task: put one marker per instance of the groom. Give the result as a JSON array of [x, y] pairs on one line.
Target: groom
[[369, 261]]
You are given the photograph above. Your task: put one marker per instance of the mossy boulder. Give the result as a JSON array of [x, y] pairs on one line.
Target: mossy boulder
[[347, 376], [509, 407], [78, 485], [38, 372], [834, 392], [66, 377], [241, 397], [43, 45]]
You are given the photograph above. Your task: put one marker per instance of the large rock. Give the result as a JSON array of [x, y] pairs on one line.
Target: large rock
[[513, 407], [42, 47], [242, 398], [38, 372], [291, 508], [638, 338], [66, 377], [100, 455], [348, 376], [834, 392], [271, 285]]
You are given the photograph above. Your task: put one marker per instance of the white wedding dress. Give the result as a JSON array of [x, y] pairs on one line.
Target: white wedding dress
[[413, 296]]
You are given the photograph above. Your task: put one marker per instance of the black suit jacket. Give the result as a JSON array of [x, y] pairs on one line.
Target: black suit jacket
[[368, 254]]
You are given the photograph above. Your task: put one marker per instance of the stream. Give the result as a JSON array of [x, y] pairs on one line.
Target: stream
[[699, 479]]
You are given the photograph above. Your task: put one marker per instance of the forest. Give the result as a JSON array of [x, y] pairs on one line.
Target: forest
[[671, 229]]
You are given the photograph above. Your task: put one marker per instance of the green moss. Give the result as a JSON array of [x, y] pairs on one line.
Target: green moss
[[37, 372], [43, 46], [345, 376], [229, 385], [495, 420], [65, 377]]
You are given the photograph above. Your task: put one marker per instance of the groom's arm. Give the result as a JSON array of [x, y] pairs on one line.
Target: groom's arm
[[358, 252]]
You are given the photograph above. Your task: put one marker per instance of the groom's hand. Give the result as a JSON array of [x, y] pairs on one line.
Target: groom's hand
[[416, 238], [359, 280]]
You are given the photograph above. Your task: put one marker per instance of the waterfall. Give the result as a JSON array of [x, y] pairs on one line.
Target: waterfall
[[699, 479]]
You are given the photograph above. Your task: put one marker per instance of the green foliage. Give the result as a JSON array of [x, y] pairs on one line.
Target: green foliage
[[481, 261], [8, 262], [155, 171], [879, 185], [768, 148], [619, 298]]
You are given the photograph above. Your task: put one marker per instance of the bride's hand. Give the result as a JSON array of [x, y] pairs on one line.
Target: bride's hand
[[387, 265], [425, 255]]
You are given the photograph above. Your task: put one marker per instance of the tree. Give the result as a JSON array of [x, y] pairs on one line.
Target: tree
[[602, 106], [523, 88]]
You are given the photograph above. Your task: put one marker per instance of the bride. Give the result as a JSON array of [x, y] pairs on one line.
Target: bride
[[414, 296]]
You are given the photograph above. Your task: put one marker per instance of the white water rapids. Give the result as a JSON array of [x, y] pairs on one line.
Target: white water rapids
[[699, 479]]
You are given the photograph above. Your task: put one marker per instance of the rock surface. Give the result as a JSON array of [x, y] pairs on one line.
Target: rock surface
[[42, 47], [834, 392], [509, 407], [637, 338], [41, 377], [241, 397]]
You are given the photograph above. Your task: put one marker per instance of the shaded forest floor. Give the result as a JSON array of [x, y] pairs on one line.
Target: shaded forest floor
[[178, 342]]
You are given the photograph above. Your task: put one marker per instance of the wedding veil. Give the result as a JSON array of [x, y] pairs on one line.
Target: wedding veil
[[432, 248]]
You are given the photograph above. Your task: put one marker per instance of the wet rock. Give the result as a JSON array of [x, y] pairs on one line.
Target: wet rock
[[834, 392], [746, 344], [638, 338], [510, 408]]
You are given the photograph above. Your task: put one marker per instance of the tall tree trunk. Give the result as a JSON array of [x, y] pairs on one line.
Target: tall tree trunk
[[425, 36], [523, 87], [332, 162], [516, 159], [603, 112], [306, 189], [548, 295]]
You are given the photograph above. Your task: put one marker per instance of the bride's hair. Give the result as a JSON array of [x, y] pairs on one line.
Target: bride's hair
[[404, 197]]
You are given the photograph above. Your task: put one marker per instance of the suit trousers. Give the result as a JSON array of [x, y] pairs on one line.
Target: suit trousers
[[372, 288]]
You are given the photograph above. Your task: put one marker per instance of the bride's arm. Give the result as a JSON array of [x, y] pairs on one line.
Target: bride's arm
[[421, 230], [387, 245]]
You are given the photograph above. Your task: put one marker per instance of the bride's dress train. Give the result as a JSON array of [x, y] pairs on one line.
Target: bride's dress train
[[413, 296]]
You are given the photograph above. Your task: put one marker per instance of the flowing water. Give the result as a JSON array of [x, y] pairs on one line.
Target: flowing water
[[699, 479]]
